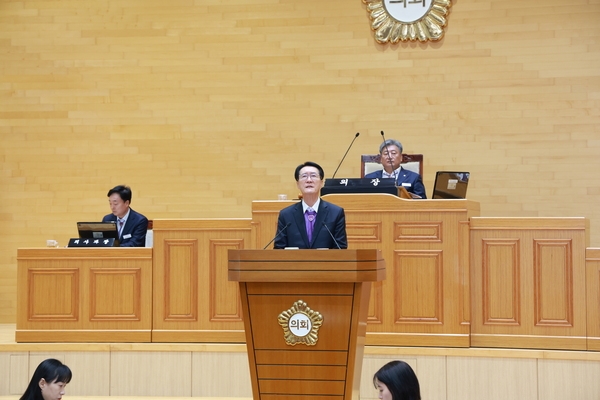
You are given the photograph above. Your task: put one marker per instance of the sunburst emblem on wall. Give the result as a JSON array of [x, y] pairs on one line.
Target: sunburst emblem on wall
[[300, 324], [395, 20]]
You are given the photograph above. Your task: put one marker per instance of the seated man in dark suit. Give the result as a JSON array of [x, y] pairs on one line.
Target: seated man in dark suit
[[391, 157], [312, 223], [132, 225]]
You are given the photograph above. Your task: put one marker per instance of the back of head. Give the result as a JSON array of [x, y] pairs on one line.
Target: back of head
[[400, 380], [51, 370]]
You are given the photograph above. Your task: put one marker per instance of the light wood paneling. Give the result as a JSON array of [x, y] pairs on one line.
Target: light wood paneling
[[493, 379], [220, 371], [528, 282], [151, 374], [530, 285], [423, 300], [203, 107], [231, 367], [568, 379], [193, 300], [85, 295], [592, 266]]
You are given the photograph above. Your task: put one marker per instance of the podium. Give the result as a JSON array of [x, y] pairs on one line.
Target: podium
[[305, 319]]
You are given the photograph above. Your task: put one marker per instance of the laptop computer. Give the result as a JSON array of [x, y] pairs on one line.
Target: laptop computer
[[98, 230], [450, 185]]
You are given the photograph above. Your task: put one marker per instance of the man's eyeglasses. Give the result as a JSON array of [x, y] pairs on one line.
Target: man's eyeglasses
[[313, 177]]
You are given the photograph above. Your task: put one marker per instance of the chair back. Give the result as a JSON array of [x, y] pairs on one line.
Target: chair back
[[371, 163]]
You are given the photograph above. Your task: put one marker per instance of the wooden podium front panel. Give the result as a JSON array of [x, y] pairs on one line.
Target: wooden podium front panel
[[325, 361], [193, 301], [528, 283], [285, 371], [84, 295], [592, 266], [425, 299], [334, 309]]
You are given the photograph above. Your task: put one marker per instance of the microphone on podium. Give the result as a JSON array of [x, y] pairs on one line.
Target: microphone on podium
[[388, 151], [331, 234], [278, 233], [340, 164]]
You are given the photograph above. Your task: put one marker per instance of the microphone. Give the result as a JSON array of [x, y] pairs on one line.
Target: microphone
[[278, 233], [340, 164], [395, 175], [331, 234]]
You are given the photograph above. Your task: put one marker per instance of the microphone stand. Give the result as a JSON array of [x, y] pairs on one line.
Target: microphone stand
[[393, 169], [340, 164]]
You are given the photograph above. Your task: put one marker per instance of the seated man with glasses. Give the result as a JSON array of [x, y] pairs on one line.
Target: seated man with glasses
[[391, 157], [313, 223]]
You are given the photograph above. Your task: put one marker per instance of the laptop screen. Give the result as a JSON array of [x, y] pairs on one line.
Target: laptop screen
[[98, 230], [450, 185]]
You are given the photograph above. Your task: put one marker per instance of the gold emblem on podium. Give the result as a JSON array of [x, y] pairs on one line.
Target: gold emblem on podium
[[401, 20], [300, 324]]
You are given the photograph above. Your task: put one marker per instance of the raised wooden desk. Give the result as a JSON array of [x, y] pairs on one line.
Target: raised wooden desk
[[454, 279], [528, 280], [84, 295], [425, 299]]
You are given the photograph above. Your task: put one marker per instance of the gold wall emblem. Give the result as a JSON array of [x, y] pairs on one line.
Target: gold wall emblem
[[395, 20], [300, 324]]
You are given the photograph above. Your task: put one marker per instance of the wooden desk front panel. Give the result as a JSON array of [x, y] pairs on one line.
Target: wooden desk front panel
[[528, 282], [84, 295], [592, 267], [193, 299], [425, 299]]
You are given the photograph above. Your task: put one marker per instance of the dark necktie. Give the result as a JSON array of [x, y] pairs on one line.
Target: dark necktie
[[121, 222], [309, 216]]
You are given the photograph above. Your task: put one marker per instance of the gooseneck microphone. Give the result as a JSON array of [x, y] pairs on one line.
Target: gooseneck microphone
[[331, 234], [340, 164], [278, 233], [388, 151]]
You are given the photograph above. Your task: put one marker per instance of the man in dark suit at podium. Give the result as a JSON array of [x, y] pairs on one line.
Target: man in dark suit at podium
[[391, 157], [132, 225], [312, 223]]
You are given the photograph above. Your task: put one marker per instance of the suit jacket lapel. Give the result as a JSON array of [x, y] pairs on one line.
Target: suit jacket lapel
[[321, 216]]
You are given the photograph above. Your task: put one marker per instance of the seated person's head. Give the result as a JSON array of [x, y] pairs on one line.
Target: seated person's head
[[48, 381], [391, 154], [119, 199], [396, 380]]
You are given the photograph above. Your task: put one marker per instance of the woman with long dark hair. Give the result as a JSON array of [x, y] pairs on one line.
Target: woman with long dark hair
[[48, 381], [396, 380]]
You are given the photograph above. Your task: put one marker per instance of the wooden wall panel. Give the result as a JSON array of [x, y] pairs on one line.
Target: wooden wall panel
[[423, 300], [444, 373], [80, 295], [528, 283], [193, 299], [204, 107], [592, 266]]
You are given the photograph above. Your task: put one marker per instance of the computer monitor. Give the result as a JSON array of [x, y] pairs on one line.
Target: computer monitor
[[98, 230], [450, 185]]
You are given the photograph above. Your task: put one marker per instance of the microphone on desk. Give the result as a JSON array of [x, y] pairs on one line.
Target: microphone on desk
[[388, 151], [331, 234], [278, 233], [340, 164]]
